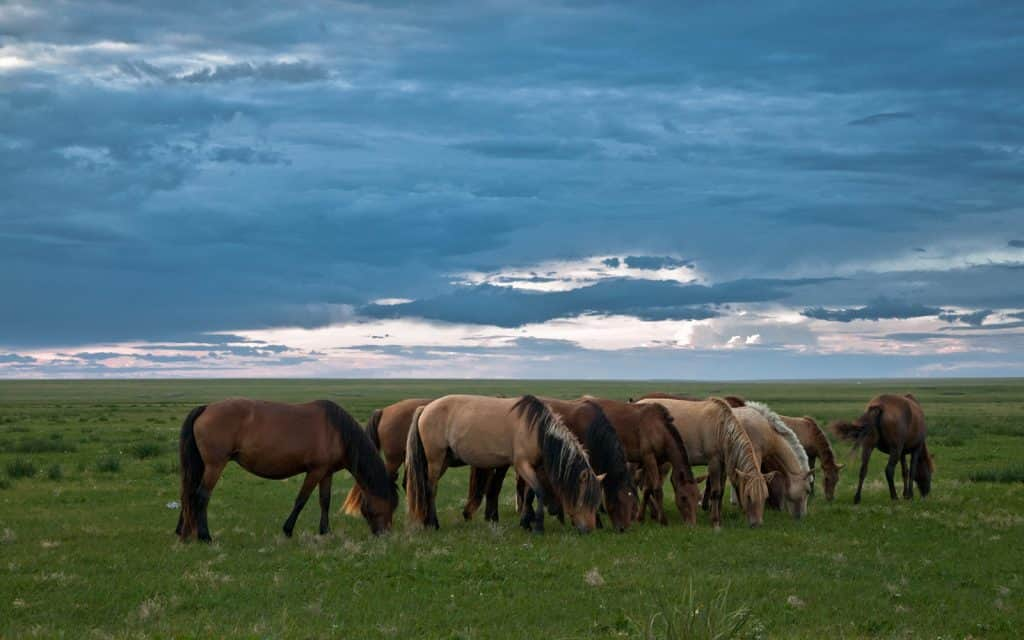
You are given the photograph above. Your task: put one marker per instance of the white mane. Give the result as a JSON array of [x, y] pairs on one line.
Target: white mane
[[782, 429]]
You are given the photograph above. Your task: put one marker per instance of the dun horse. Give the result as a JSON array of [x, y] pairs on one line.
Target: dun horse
[[489, 433], [894, 425], [591, 427], [780, 451], [387, 430], [713, 437], [816, 445], [276, 440]]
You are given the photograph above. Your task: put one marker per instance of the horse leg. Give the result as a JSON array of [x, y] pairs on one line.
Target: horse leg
[[811, 460], [524, 501], [890, 471], [864, 457], [477, 486], [657, 495], [529, 475], [325, 503], [211, 474], [903, 472], [908, 484], [493, 493], [181, 521], [313, 478]]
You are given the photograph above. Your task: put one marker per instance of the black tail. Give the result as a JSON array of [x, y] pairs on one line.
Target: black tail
[[861, 428], [417, 478], [192, 468], [372, 426]]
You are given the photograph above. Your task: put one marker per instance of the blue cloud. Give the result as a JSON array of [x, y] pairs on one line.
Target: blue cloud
[[878, 309]]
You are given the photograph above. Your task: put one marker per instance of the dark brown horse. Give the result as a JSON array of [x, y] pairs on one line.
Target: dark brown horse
[[387, 430], [276, 440], [588, 423], [894, 425]]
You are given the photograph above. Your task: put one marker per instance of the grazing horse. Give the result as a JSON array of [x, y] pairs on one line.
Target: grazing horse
[[779, 450], [588, 422], [714, 437], [276, 440], [489, 433], [894, 425], [387, 430], [816, 445]]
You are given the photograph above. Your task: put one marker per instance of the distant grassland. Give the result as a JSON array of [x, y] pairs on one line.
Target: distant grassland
[[86, 545]]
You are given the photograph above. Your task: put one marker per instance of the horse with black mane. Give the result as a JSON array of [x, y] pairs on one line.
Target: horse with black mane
[[490, 433], [894, 425], [277, 440]]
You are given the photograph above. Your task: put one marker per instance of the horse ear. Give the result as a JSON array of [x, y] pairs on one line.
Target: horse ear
[[601, 477], [768, 477]]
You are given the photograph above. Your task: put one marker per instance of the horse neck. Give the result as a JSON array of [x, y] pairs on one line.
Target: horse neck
[[821, 443], [737, 447]]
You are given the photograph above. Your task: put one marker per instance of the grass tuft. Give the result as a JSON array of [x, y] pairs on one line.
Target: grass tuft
[[1004, 475], [55, 472], [44, 445], [108, 464], [4, 483], [145, 450], [21, 468], [695, 619]]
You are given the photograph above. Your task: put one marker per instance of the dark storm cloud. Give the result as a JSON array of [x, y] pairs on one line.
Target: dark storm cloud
[[974, 318], [14, 358], [655, 262], [878, 309], [646, 299], [1017, 244], [169, 172]]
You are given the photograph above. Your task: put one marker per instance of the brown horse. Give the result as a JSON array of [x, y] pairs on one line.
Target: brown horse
[[713, 437], [590, 425], [490, 433], [387, 430], [894, 425], [780, 451], [816, 445], [276, 440]]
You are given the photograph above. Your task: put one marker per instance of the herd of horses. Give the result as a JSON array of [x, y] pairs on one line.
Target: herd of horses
[[573, 459]]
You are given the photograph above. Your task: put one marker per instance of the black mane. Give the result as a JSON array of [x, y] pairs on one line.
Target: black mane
[[670, 425], [361, 456], [605, 450]]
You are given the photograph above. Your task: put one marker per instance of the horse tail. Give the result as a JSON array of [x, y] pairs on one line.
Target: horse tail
[[417, 480], [192, 468], [354, 498], [857, 431]]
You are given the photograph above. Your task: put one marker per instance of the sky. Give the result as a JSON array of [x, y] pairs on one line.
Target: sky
[[685, 190]]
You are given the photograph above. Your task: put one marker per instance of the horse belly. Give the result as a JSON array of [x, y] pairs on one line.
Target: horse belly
[[482, 453]]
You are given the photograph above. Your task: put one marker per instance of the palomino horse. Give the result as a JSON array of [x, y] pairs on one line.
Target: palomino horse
[[387, 430], [276, 440], [779, 450], [816, 445], [894, 425], [732, 401], [489, 433], [713, 437], [591, 427]]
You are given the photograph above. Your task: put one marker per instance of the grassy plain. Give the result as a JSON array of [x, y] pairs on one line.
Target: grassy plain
[[87, 469]]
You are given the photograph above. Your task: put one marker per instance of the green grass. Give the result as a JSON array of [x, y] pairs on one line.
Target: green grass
[[1005, 474], [95, 555], [21, 468]]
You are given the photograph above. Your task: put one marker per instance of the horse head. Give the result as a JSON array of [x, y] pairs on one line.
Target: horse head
[[582, 510], [379, 510], [753, 492], [831, 472]]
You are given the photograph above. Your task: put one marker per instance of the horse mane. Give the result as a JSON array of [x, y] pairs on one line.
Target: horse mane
[[661, 395], [912, 398], [669, 424], [783, 430], [739, 454], [828, 456], [735, 401], [605, 449], [563, 458], [363, 460]]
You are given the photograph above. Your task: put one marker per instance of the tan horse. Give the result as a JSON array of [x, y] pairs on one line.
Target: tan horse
[[714, 437], [779, 450], [276, 440], [591, 426], [816, 445], [894, 425], [490, 433], [387, 430]]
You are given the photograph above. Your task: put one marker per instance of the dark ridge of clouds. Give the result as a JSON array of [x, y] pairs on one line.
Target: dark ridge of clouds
[[878, 309], [974, 318], [541, 149], [881, 118], [920, 250], [611, 262], [1016, 244], [247, 155], [653, 263], [644, 299], [15, 358]]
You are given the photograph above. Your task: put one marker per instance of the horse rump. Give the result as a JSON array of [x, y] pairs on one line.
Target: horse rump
[[858, 430]]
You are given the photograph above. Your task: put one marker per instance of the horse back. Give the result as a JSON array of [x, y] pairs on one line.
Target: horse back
[[481, 431], [393, 427], [901, 423]]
